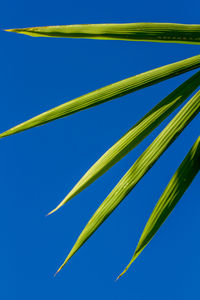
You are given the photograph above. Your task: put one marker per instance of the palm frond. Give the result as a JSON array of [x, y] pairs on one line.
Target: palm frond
[[150, 32], [108, 93], [138, 170], [135, 135], [183, 177], [177, 186]]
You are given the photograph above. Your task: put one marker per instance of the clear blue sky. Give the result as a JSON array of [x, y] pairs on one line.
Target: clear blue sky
[[38, 167]]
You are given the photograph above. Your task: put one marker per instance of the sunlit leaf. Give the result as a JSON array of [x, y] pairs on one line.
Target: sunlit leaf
[[150, 32], [170, 197], [109, 92], [135, 135], [139, 169]]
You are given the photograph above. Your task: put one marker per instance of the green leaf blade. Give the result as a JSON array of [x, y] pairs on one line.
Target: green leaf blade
[[135, 135], [138, 170], [148, 32], [108, 93], [177, 186]]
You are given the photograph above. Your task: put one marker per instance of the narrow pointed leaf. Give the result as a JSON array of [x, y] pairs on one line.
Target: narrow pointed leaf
[[109, 92], [150, 32], [139, 169], [177, 186], [135, 135]]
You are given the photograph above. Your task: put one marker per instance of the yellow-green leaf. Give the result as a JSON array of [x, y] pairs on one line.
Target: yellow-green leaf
[[139, 169], [109, 92], [135, 135], [177, 186], [150, 32]]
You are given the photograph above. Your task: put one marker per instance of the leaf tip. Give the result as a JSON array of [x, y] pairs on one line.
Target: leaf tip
[[121, 275], [66, 199], [10, 30], [58, 271], [54, 210], [127, 267], [51, 212], [3, 134], [66, 260], [19, 30]]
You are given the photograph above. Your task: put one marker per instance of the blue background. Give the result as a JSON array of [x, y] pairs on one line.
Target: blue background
[[38, 167]]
